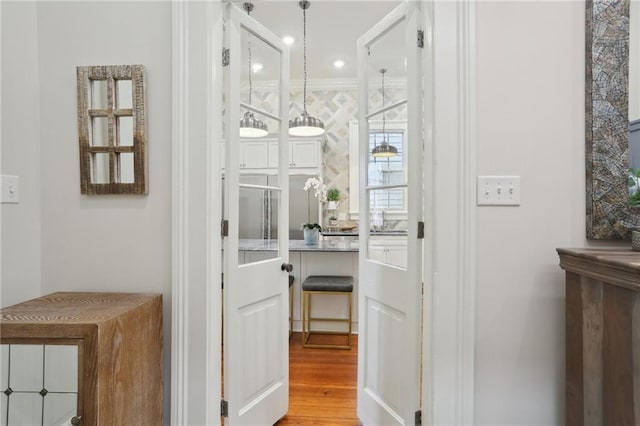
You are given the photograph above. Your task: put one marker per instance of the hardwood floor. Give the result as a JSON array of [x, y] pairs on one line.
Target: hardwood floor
[[322, 385]]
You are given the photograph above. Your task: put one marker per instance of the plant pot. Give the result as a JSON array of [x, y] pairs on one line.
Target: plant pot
[[332, 205], [310, 236]]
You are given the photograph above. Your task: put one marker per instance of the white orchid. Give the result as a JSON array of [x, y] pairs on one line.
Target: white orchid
[[319, 188]]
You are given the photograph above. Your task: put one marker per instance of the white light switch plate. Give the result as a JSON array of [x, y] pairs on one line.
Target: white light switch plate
[[498, 190], [9, 186]]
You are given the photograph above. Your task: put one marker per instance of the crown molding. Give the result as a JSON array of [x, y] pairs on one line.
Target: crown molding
[[324, 84]]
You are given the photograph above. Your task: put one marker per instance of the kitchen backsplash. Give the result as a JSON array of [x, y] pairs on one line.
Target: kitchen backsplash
[[336, 108]]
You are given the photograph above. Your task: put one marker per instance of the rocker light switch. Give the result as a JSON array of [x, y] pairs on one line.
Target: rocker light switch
[[9, 186]]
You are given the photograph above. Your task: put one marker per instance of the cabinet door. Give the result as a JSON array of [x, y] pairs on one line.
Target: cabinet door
[[273, 155], [254, 155], [304, 154], [39, 384]]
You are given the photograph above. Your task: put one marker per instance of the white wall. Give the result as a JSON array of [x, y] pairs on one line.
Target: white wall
[[530, 118], [21, 229], [87, 243]]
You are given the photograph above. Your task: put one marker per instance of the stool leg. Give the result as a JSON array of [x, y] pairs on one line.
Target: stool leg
[[350, 305]]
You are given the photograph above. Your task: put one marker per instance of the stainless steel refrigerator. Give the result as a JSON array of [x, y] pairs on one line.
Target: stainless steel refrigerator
[[259, 209]]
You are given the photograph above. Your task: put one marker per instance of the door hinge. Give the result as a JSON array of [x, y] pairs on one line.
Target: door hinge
[[224, 408], [421, 39], [225, 56], [420, 229], [418, 418], [224, 228]]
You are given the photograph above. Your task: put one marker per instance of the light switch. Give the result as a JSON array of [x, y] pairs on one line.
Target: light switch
[[10, 189], [498, 190]]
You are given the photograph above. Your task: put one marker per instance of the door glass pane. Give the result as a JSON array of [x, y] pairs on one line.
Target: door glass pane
[[61, 368], [386, 53], [258, 218], [59, 408], [25, 409], [260, 82], [26, 367], [388, 228]]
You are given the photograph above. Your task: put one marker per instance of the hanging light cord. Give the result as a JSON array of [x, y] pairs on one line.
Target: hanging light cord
[[383, 71], [249, 7], [304, 55]]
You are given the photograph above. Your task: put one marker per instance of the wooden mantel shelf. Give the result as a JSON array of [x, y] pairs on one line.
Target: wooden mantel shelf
[[602, 336]]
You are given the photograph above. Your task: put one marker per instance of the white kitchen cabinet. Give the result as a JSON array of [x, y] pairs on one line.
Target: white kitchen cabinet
[[254, 155], [303, 154], [390, 251]]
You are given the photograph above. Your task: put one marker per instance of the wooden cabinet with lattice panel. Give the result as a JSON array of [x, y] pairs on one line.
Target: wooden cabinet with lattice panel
[[112, 129]]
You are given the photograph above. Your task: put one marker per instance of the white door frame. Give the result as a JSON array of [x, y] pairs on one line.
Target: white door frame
[[450, 214], [450, 239]]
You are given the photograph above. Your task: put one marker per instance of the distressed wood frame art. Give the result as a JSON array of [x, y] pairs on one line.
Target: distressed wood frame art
[[112, 129], [607, 121]]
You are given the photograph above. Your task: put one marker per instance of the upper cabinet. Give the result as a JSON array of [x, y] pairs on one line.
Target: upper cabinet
[[254, 155], [305, 156]]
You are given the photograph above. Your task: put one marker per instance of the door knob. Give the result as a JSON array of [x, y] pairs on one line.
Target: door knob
[[286, 267], [76, 420]]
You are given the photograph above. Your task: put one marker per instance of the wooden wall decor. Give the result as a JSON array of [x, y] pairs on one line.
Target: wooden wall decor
[[607, 121], [112, 129]]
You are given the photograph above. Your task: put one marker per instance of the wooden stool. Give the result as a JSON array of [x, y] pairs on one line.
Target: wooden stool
[[325, 284]]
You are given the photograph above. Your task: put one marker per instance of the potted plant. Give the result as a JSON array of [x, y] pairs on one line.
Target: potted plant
[[333, 197], [333, 222], [311, 230]]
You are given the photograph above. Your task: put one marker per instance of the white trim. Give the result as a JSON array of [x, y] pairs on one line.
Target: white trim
[[196, 264], [324, 84], [179, 213], [450, 244], [467, 221]]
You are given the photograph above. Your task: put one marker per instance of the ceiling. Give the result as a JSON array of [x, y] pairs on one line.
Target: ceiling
[[333, 28]]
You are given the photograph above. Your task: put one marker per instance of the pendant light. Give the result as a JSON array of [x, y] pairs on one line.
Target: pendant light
[[305, 125], [251, 127], [384, 149]]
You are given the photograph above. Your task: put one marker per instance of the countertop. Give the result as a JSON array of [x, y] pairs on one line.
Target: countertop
[[299, 245], [355, 233]]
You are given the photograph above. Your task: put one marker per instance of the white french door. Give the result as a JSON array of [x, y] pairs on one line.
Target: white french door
[[391, 211], [256, 363]]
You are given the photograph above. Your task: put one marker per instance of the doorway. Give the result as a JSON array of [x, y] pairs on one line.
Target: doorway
[[195, 311]]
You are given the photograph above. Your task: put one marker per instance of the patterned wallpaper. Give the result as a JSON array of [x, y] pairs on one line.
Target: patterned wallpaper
[[336, 108]]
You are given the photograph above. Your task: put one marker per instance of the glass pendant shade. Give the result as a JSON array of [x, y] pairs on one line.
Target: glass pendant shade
[[305, 125], [251, 127]]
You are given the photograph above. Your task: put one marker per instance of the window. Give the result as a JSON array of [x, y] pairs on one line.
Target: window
[[382, 171], [387, 171]]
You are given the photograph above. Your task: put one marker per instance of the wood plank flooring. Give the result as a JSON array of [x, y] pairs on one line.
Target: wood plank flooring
[[322, 384]]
